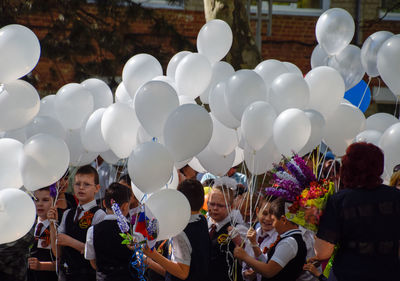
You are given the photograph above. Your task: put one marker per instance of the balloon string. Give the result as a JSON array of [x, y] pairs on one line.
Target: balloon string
[[366, 88], [397, 103], [379, 88]]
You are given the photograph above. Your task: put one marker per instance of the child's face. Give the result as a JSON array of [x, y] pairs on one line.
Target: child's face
[[43, 203], [85, 188], [265, 219], [216, 206], [279, 224]]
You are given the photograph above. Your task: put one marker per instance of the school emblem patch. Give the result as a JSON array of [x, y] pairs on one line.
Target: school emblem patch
[[223, 239], [86, 220]]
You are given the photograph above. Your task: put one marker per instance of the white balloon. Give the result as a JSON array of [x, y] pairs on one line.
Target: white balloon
[[46, 125], [259, 162], [17, 214], [221, 71], [122, 95], [44, 161], [334, 30], [389, 143], [380, 121], [195, 165], [187, 131], [138, 70], [154, 101], [388, 63], [326, 89], [20, 52], [172, 210], [11, 152], [79, 155], [239, 156], [292, 68], [150, 166], [109, 157], [18, 134], [73, 105], [219, 108], [214, 40], [47, 106], [92, 138], [269, 70], [142, 136], [174, 61], [185, 99], [370, 136], [181, 164], [342, 127], [291, 131], [242, 89], [369, 51], [317, 131], [101, 92], [319, 57], [142, 197], [119, 127], [348, 64], [214, 163], [193, 75], [168, 80], [257, 124], [19, 104], [223, 140], [289, 91], [173, 182]]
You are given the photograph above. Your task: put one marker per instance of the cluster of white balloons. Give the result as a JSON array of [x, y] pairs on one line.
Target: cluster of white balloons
[[155, 124], [335, 30]]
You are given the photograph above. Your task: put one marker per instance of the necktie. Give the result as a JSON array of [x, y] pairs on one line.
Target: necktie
[[78, 212], [261, 239], [213, 230], [38, 229]]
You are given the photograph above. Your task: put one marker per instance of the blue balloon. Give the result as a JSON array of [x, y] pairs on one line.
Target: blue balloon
[[356, 95]]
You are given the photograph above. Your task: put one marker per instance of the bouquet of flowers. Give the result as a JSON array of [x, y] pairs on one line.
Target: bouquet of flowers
[[308, 207], [296, 182], [290, 178]]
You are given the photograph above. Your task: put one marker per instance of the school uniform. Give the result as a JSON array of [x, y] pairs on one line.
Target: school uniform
[[220, 262], [192, 247], [290, 253], [41, 250], [264, 241], [113, 260], [75, 223]]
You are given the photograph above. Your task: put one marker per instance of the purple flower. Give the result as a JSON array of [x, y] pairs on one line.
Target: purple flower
[[53, 190], [121, 219], [307, 172], [297, 173]]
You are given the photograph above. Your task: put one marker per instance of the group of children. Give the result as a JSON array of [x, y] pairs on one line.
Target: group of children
[[83, 242]]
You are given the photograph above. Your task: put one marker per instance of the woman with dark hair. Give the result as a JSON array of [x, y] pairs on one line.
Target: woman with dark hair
[[363, 219]]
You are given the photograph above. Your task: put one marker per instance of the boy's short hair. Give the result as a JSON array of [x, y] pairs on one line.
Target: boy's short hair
[[194, 192], [89, 170], [119, 193], [125, 178], [228, 193], [277, 207]]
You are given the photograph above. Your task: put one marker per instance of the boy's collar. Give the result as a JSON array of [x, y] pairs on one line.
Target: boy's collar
[[88, 206]]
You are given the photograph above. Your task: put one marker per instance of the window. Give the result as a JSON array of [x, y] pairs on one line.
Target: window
[[293, 7], [390, 10], [166, 4]]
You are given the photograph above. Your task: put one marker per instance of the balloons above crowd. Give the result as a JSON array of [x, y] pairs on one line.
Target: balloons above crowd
[[155, 125]]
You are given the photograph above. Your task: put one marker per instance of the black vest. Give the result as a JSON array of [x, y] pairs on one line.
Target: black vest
[[112, 258], [75, 261], [42, 255], [295, 266], [218, 266], [197, 233]]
